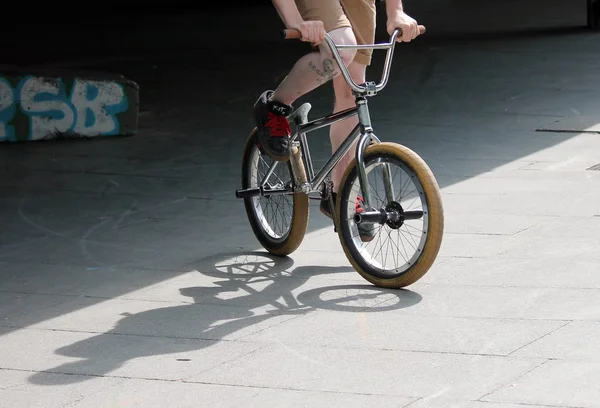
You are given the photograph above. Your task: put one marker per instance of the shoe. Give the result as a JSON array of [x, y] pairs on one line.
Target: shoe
[[324, 207], [273, 127], [365, 231]]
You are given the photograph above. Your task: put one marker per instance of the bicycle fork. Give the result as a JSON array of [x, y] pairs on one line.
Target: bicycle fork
[[366, 138], [393, 210]]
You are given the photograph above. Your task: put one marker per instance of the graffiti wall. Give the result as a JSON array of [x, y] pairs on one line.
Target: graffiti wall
[[37, 108]]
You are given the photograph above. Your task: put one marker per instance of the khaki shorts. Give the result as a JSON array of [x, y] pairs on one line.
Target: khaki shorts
[[358, 14]]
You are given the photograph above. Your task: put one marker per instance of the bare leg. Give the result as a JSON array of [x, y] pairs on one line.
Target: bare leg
[[316, 68], [340, 130]]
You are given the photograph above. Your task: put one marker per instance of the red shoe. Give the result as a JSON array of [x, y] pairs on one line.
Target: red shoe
[[273, 127]]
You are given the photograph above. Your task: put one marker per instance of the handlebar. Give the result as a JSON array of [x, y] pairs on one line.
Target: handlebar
[[293, 34], [361, 89]]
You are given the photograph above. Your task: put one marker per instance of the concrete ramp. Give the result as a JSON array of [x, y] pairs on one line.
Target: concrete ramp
[[42, 105]]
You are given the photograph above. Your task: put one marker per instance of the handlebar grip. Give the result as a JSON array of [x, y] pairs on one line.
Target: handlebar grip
[[422, 30], [291, 34]]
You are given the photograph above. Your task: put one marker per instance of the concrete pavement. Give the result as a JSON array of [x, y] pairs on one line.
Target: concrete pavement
[[129, 276]]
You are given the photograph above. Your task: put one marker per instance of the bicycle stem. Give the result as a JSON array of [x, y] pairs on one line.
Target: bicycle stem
[[364, 89]]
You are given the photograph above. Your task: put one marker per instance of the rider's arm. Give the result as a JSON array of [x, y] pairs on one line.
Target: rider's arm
[[288, 11], [393, 7], [312, 31], [397, 18]]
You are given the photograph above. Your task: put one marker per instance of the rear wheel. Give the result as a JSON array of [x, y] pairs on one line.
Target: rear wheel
[[403, 248], [279, 221]]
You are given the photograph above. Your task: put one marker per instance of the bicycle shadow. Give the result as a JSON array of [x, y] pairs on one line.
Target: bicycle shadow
[[253, 288]]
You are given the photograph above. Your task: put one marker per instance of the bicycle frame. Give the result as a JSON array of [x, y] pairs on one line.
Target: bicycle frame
[[363, 131]]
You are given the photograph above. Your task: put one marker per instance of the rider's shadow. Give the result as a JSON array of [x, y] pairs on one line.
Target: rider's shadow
[[241, 300]]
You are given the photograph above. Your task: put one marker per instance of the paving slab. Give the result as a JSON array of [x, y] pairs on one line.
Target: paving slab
[[169, 319], [129, 275], [584, 243], [505, 302], [386, 329], [549, 272], [557, 383], [575, 341], [455, 403], [114, 355], [156, 394], [297, 399], [26, 308], [16, 390], [78, 280], [370, 371], [280, 290]]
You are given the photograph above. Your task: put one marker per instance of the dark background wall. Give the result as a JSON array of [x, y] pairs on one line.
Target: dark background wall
[[39, 34]]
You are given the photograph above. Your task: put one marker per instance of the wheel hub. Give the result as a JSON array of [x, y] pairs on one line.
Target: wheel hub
[[395, 215]]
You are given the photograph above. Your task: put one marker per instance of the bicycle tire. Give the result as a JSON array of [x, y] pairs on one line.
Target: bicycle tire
[[291, 240], [424, 175]]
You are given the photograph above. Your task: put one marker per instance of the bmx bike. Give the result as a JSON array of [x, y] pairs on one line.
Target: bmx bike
[[398, 211]]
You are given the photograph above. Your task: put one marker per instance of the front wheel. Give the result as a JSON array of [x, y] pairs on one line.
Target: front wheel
[[279, 221], [402, 248]]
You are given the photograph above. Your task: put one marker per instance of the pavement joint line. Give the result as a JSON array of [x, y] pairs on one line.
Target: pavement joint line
[[171, 270], [47, 329], [201, 383], [224, 303], [87, 374], [528, 228], [526, 404], [297, 389], [101, 173], [467, 317], [11, 292], [254, 333], [483, 285], [417, 399], [414, 402], [541, 337], [160, 301], [266, 344], [224, 362], [513, 380], [104, 194]]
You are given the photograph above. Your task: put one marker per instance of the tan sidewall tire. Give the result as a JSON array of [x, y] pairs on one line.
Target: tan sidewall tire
[[300, 213], [435, 208]]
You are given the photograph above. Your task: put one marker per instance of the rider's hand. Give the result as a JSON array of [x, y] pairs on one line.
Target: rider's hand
[[312, 31], [408, 25]]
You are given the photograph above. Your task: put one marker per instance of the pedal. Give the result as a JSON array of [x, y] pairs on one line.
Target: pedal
[[329, 195]]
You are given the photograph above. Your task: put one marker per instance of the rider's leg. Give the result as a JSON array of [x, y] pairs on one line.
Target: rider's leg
[[316, 68], [361, 14], [312, 70], [344, 99], [307, 74]]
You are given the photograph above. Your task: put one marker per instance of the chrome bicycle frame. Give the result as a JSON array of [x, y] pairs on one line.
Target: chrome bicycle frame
[[363, 131]]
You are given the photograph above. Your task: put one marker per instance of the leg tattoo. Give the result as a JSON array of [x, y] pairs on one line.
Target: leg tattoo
[[327, 73]]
